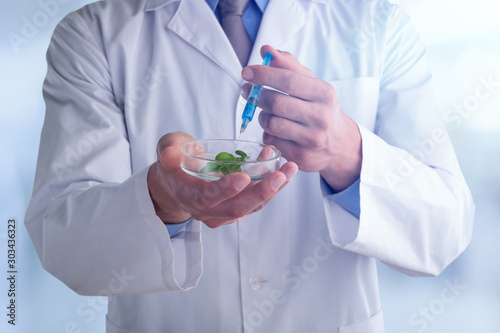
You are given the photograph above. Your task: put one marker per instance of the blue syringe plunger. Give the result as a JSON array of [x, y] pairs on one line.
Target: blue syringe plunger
[[268, 56], [254, 96]]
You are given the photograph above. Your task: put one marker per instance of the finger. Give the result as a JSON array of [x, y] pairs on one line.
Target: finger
[[251, 198], [245, 90], [290, 82], [307, 157], [289, 169], [220, 217], [287, 129], [168, 149], [285, 60], [195, 194], [265, 154], [287, 106], [208, 194], [289, 149], [215, 222]]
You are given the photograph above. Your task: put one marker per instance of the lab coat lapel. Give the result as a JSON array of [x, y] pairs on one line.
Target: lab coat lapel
[[197, 25], [282, 19]]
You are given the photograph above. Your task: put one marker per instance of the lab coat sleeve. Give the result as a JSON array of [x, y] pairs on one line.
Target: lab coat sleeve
[[416, 209], [91, 217]]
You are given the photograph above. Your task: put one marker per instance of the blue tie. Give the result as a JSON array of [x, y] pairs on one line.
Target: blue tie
[[231, 20]]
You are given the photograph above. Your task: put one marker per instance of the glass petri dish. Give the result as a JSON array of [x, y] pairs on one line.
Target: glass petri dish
[[198, 158]]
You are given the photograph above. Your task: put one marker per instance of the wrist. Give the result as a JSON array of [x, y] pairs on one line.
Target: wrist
[[345, 168]]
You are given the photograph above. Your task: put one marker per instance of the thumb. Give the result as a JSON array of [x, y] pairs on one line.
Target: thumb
[[169, 149], [170, 157]]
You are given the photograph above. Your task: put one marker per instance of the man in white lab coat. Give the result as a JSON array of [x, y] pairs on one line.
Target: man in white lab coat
[[113, 214]]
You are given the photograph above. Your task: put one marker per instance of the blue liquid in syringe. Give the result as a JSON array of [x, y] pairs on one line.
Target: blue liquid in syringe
[[254, 96]]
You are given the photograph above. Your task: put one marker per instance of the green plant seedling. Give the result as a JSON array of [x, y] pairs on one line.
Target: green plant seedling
[[226, 168]]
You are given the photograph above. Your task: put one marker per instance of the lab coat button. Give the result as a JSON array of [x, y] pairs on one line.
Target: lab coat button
[[256, 282]]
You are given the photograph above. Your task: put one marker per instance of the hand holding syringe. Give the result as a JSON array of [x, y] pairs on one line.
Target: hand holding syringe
[[253, 98]]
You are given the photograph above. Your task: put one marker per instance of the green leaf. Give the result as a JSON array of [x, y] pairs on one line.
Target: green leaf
[[225, 157], [224, 170], [223, 167], [211, 167], [233, 168], [241, 153]]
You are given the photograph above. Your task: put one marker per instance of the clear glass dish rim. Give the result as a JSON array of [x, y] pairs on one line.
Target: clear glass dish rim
[[277, 157]]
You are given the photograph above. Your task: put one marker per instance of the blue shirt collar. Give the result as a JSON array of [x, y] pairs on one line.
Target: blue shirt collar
[[212, 4], [262, 4]]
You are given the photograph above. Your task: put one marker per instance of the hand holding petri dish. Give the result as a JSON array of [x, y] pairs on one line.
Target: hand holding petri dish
[[213, 158]]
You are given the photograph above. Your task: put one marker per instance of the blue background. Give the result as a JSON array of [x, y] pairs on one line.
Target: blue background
[[463, 43]]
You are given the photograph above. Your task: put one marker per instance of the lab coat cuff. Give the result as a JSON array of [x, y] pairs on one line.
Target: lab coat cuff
[[361, 235], [181, 255], [344, 209]]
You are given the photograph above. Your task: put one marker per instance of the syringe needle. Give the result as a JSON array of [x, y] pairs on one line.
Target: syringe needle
[[238, 141]]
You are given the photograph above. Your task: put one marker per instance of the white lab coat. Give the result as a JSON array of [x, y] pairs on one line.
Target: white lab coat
[[123, 73]]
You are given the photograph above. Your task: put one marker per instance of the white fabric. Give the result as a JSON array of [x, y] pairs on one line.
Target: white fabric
[[124, 72]]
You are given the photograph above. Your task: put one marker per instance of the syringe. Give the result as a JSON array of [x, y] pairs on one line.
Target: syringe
[[253, 98]]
